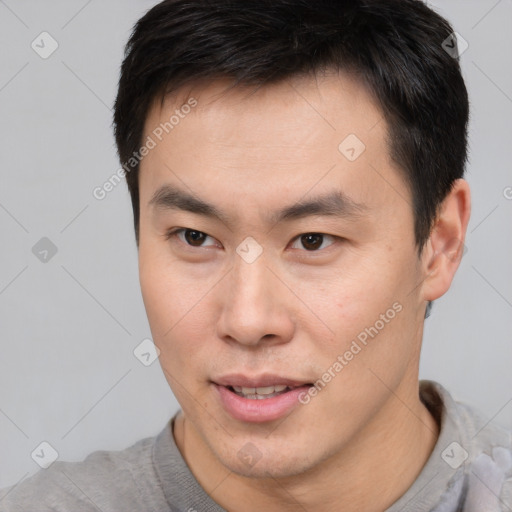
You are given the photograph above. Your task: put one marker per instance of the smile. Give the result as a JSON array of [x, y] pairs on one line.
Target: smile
[[258, 400], [261, 393]]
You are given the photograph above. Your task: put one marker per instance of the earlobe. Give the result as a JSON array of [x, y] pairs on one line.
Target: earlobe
[[445, 247]]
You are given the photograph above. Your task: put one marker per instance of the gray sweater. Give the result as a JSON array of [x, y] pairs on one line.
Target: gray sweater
[[469, 470]]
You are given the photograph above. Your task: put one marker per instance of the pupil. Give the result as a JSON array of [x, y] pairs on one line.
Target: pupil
[[310, 239], [193, 237]]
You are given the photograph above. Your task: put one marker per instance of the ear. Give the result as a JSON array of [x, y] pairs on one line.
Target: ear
[[444, 249]]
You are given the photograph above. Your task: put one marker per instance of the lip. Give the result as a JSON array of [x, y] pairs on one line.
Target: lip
[[253, 410], [260, 381]]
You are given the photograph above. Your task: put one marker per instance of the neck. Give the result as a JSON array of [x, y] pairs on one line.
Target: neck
[[373, 471]]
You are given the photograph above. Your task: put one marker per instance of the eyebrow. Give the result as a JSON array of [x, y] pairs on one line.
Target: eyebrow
[[333, 204]]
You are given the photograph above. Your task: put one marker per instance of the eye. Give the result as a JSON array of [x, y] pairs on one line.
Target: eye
[[312, 241], [190, 237]]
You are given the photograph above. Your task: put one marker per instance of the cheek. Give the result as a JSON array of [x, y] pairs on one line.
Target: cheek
[[157, 293], [164, 288], [362, 307], [177, 310]]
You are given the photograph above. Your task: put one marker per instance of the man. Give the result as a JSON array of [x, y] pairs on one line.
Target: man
[[296, 174]]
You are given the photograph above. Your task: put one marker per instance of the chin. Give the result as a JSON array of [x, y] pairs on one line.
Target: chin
[[268, 462], [267, 469]]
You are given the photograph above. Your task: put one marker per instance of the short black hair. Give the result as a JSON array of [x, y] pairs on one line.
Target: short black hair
[[394, 47]]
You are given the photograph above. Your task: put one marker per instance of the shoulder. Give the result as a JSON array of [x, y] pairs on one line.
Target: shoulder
[[484, 450], [104, 480], [489, 468]]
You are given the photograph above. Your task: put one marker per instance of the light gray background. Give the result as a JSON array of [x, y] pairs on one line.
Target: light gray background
[[68, 327]]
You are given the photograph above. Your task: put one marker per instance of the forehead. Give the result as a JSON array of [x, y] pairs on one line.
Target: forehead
[[330, 101], [299, 135]]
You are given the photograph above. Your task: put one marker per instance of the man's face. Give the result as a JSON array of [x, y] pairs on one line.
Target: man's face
[[338, 284]]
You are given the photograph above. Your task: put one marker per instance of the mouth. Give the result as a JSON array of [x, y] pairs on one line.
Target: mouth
[[258, 400], [260, 393]]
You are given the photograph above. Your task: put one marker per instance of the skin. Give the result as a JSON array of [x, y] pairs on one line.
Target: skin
[[363, 440]]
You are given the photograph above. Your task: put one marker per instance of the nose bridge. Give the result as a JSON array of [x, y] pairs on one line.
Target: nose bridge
[[251, 307], [249, 286]]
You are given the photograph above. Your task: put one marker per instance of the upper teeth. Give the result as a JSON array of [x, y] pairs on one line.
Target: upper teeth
[[268, 390]]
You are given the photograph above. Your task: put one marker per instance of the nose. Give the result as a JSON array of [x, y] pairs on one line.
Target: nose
[[255, 305]]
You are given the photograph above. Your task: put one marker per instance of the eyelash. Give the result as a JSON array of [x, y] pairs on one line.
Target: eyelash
[[173, 233]]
